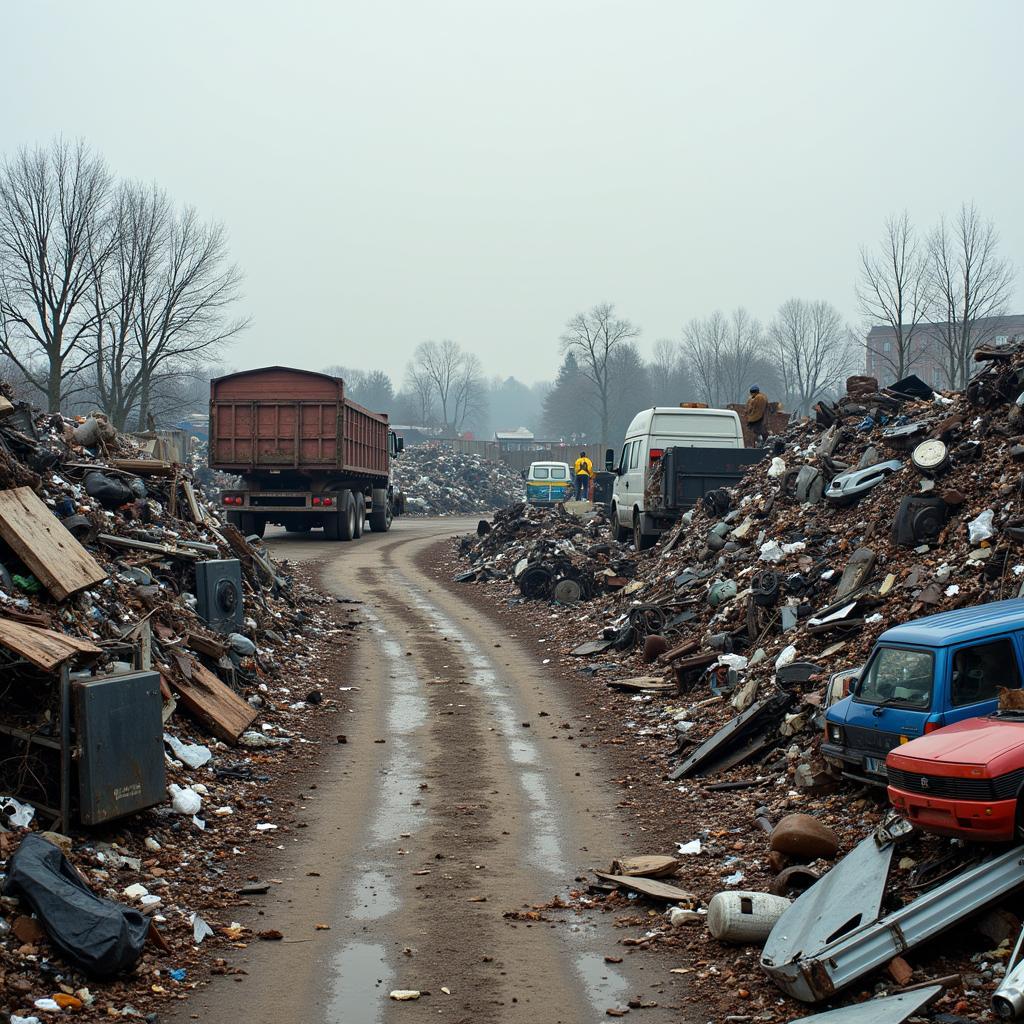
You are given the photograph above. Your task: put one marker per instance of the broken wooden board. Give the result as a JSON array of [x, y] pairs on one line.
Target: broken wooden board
[[6, 406], [856, 573], [210, 701], [112, 540], [591, 647], [193, 505], [646, 866], [49, 551], [45, 648], [642, 684], [648, 887], [144, 467]]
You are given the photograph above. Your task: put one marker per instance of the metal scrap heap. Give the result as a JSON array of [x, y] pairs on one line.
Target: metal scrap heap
[[436, 480], [740, 627]]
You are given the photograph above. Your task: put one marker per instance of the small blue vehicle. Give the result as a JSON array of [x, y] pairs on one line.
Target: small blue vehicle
[[548, 483], [920, 676]]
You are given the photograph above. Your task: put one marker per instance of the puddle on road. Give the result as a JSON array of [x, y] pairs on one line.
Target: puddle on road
[[361, 985], [374, 897], [604, 986]]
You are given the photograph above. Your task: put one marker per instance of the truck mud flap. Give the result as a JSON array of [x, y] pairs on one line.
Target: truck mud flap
[[832, 935], [889, 1010]]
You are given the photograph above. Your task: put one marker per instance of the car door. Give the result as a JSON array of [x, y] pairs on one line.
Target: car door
[[976, 672], [634, 480]]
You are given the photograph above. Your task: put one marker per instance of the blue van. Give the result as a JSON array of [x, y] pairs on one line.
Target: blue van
[[921, 676]]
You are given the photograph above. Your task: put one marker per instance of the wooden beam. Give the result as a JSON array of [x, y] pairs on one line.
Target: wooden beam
[[39, 539], [45, 648], [210, 701]]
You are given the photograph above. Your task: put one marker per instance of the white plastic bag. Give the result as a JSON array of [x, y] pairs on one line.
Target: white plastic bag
[[195, 755], [777, 468], [184, 801], [981, 528], [786, 657], [771, 552]]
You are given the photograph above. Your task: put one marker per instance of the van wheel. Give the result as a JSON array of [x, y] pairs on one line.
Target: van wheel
[[642, 541], [619, 533]]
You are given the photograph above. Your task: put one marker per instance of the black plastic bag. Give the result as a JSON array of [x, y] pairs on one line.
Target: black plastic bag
[[101, 937], [111, 491]]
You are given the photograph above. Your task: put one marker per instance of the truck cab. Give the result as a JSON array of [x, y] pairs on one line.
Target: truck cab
[[921, 676], [709, 453]]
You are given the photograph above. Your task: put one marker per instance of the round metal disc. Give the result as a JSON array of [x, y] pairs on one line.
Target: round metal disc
[[567, 592], [929, 455]]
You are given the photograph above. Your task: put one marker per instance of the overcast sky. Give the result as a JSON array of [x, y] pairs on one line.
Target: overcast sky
[[478, 170]]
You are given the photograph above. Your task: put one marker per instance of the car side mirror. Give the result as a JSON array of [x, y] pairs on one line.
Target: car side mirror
[[609, 459], [401, 443]]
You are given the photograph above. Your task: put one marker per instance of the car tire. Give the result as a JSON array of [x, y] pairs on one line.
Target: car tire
[[619, 533], [250, 523], [641, 541]]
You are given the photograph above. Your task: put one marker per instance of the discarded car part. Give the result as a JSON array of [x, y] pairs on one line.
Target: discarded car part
[[647, 619], [856, 573], [717, 501], [764, 587], [846, 488], [721, 592], [787, 484], [968, 451], [219, 594], [1008, 998], [887, 1010], [749, 733], [919, 520], [930, 457], [904, 436], [82, 528], [120, 757], [535, 582], [97, 935], [833, 935], [795, 878], [796, 673], [810, 485], [567, 591], [744, 917]]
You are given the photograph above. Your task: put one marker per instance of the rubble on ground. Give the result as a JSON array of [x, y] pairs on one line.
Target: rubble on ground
[[103, 556], [436, 480], [713, 665], [549, 553]]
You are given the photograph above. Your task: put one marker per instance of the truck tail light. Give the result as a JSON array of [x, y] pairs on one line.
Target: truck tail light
[[316, 501], [656, 453], [231, 499], [328, 501]]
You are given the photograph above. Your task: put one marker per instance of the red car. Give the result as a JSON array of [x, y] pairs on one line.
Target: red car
[[964, 780]]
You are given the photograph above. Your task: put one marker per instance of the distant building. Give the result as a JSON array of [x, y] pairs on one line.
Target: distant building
[[880, 346], [515, 440]]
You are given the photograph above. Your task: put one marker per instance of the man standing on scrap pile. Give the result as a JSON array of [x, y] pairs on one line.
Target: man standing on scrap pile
[[584, 470], [757, 414]]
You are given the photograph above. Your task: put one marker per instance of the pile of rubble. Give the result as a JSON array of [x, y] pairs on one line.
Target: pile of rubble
[[153, 681], [549, 553], [435, 480], [744, 623]]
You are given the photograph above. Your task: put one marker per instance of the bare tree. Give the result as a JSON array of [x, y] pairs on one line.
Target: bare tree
[[420, 389], [971, 284], [593, 338], [722, 354], [669, 374], [54, 238], [813, 348], [441, 372], [894, 290]]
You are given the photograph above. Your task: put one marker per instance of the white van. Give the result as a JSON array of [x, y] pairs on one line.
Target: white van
[[718, 459]]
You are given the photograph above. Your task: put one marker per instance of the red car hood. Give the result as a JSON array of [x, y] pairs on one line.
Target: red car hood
[[977, 741]]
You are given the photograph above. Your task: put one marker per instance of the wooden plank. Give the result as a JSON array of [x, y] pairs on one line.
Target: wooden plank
[[193, 505], [39, 539], [648, 887], [144, 545], [45, 648], [212, 703], [6, 406], [144, 467]]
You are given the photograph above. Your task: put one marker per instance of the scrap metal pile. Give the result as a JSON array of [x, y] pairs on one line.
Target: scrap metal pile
[[436, 480], [549, 553], [156, 670], [732, 637]]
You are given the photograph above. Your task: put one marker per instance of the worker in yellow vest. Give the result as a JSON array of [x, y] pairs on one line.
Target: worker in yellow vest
[[583, 470]]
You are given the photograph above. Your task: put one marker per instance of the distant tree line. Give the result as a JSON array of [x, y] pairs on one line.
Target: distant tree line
[[111, 295]]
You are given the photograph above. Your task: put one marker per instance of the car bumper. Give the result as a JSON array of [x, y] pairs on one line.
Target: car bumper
[[853, 764], [986, 820]]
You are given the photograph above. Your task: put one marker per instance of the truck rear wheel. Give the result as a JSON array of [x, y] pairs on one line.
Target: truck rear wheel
[[250, 523], [360, 520], [342, 525], [380, 514]]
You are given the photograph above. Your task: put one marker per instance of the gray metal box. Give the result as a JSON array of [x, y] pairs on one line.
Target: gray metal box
[[219, 594], [119, 734]]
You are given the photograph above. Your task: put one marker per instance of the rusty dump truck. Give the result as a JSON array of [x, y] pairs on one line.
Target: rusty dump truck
[[308, 456]]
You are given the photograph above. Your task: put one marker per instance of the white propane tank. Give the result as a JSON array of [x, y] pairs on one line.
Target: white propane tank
[[744, 916]]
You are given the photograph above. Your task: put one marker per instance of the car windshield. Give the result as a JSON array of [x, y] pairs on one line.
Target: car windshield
[[898, 677], [540, 473]]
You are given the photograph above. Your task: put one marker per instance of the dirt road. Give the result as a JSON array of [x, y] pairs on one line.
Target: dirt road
[[456, 799]]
